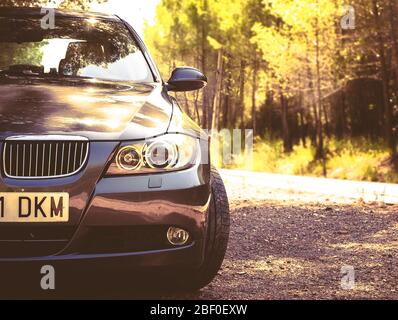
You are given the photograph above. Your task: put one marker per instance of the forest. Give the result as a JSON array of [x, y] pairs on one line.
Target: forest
[[316, 80]]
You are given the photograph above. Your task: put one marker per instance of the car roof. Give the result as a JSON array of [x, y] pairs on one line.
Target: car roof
[[36, 12]]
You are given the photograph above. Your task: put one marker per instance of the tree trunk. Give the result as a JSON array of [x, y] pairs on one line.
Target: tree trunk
[[254, 91], [327, 126], [388, 115], [312, 103], [217, 94], [226, 107], [242, 93], [320, 152], [303, 128], [187, 106], [197, 107], [287, 143], [233, 105]]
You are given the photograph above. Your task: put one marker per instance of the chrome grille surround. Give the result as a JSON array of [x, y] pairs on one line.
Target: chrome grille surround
[[44, 156]]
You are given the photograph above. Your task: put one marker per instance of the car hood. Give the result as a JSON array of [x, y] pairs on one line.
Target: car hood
[[97, 110]]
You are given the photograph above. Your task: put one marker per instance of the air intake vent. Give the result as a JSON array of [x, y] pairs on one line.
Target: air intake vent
[[27, 158]]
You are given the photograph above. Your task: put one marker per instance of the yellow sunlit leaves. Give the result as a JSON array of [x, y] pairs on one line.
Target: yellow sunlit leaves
[[290, 46], [214, 43]]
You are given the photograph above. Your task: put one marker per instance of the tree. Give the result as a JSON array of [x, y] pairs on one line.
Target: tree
[[214, 36], [276, 65], [304, 38]]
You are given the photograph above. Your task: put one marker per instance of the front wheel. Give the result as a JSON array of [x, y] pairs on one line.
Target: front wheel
[[217, 237]]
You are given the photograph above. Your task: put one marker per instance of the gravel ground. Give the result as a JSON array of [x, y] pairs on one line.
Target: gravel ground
[[296, 250], [286, 245]]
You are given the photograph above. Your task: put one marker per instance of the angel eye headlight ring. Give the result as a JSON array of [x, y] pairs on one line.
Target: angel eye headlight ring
[[129, 158], [160, 154]]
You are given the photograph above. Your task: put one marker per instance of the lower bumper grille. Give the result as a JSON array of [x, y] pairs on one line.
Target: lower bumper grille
[[100, 240], [24, 249], [33, 241]]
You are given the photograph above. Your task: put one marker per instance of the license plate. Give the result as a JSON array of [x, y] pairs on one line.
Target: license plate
[[34, 207]]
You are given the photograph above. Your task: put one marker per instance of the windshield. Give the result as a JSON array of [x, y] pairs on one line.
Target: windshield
[[76, 47]]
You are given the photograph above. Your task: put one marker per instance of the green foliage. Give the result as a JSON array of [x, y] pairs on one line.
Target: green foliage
[[353, 160], [12, 53], [289, 47]]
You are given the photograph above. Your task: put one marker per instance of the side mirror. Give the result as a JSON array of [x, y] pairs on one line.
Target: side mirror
[[186, 79]]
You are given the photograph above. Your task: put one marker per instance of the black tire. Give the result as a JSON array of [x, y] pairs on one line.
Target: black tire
[[217, 238]]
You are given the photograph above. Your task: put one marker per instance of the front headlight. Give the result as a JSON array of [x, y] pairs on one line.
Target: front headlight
[[165, 153]]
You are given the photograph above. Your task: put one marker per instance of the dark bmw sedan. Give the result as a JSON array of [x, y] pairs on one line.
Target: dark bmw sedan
[[98, 161]]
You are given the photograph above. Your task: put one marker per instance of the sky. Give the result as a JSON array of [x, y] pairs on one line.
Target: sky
[[135, 12]]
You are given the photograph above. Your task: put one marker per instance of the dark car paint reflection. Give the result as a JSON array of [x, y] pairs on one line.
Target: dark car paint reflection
[[111, 113]]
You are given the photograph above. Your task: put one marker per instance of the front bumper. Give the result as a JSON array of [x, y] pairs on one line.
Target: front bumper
[[136, 211], [189, 256]]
